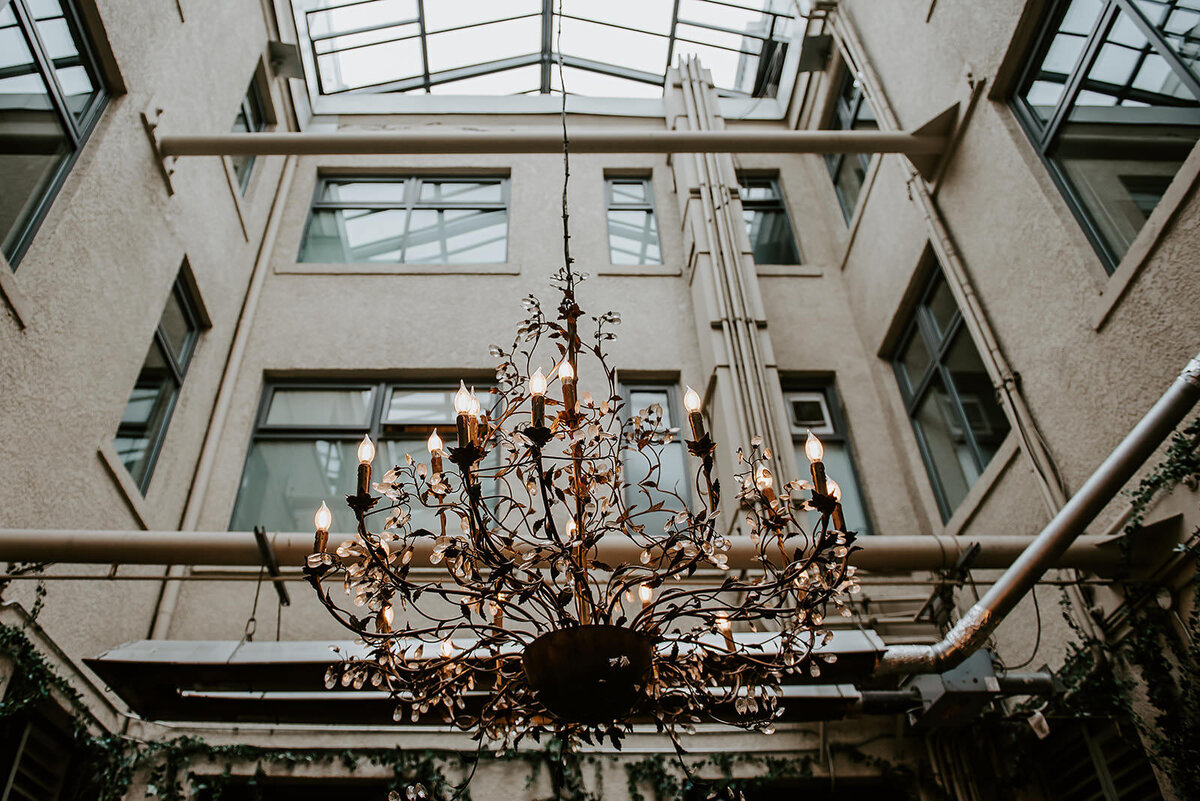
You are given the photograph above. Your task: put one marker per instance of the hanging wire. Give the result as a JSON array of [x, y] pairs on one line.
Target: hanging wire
[[562, 84]]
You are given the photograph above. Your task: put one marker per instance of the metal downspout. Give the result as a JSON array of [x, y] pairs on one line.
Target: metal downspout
[[164, 610], [974, 627]]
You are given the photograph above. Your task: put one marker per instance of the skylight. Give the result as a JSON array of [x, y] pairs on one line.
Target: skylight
[[614, 48]]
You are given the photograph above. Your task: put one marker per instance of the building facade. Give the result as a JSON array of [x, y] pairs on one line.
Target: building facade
[[196, 344]]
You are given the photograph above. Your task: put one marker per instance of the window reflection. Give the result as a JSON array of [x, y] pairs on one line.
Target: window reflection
[[767, 224], [409, 221], [632, 226]]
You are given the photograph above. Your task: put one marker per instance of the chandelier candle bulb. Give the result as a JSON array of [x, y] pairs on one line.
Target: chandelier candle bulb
[[447, 649], [814, 450], [765, 482], [726, 631], [366, 455], [322, 519], [566, 373], [537, 398], [462, 406], [383, 621], [691, 402], [646, 592], [473, 418], [435, 452], [839, 521]]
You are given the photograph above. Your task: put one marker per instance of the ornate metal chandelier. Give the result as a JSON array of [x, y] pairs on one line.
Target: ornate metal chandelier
[[526, 632], [522, 630]]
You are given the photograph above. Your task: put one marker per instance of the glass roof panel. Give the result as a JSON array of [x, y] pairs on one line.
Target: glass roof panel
[[585, 82], [640, 51], [507, 82], [489, 42], [618, 48], [440, 14]]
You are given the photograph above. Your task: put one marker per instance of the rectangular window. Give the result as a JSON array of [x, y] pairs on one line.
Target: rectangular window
[[251, 117], [1111, 100], [305, 446], [949, 395], [663, 463], [632, 228], [385, 220], [767, 222], [51, 95], [815, 408], [148, 412], [852, 112]]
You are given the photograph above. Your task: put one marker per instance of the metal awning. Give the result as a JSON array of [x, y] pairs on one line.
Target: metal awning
[[284, 682]]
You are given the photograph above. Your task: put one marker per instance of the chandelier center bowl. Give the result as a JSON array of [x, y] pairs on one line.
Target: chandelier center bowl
[[588, 674]]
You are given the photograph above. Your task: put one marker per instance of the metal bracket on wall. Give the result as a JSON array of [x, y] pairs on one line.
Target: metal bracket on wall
[[942, 126], [271, 564], [152, 116]]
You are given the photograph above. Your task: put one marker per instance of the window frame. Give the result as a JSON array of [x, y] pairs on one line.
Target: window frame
[[1044, 136], [176, 366], [839, 433], [252, 107], [842, 117], [778, 203], [76, 131], [376, 428], [411, 202], [925, 326], [612, 204]]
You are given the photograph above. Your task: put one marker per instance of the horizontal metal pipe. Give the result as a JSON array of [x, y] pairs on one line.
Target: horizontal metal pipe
[[977, 624], [549, 141], [898, 553]]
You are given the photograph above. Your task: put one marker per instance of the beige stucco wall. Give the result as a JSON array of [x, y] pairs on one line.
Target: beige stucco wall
[[99, 271]]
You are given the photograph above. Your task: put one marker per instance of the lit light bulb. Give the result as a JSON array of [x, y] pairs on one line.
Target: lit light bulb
[[537, 383], [813, 448], [323, 518], [722, 621], [474, 410], [834, 489], [763, 478], [691, 400], [572, 527], [366, 450], [447, 649], [462, 399], [435, 442], [388, 614], [565, 371], [646, 593]]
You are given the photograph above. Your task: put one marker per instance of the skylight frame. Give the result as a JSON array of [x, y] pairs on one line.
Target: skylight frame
[[417, 93]]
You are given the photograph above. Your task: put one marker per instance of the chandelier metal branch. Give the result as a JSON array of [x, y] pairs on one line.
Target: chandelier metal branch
[[526, 632], [521, 630]]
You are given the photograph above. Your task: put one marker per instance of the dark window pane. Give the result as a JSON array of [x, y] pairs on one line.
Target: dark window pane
[[422, 407], [914, 360], [285, 482], [33, 144], [64, 46], [942, 308], [809, 413], [633, 237], [352, 191], [320, 407], [848, 182], [951, 463], [758, 190], [1179, 22], [771, 236], [146, 414], [456, 236], [354, 235], [177, 328], [1044, 87], [629, 192], [977, 395], [461, 192], [1134, 122]]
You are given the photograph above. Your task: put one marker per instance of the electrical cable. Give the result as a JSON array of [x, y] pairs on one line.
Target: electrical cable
[[1037, 642]]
